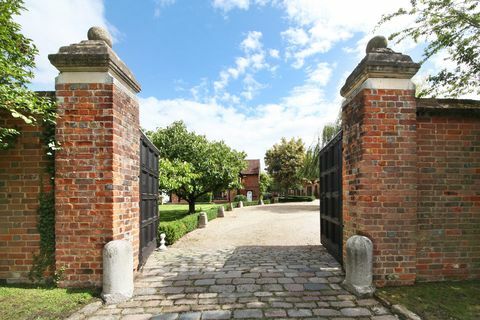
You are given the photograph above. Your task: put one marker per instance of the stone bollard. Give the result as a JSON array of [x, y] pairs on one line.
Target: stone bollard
[[240, 204], [260, 202], [202, 220], [221, 212], [117, 271], [230, 207], [162, 247], [358, 266]]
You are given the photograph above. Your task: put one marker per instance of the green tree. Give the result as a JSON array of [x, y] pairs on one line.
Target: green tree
[[17, 61], [265, 182], [311, 164], [284, 161], [193, 166], [329, 131], [450, 25]]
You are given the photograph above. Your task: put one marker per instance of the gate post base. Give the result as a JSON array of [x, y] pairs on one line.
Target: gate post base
[[358, 266]]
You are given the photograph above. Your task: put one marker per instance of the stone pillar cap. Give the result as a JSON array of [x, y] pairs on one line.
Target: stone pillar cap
[[380, 62], [93, 56]]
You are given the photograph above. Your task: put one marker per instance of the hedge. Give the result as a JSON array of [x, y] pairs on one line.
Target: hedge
[[296, 199], [174, 230]]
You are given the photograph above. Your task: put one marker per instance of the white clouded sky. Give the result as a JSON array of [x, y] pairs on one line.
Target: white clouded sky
[[267, 68]]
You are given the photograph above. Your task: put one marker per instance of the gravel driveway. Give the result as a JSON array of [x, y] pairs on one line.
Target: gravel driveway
[[280, 224]]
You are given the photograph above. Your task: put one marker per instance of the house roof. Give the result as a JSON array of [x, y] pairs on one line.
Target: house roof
[[253, 167]]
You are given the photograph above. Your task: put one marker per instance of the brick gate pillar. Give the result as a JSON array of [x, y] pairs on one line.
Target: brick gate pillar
[[379, 160], [97, 166]]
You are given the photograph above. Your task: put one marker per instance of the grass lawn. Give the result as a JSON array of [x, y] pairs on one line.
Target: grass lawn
[[34, 302], [438, 301], [171, 212]]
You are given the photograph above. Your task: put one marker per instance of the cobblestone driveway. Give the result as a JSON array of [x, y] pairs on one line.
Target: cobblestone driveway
[[243, 282]]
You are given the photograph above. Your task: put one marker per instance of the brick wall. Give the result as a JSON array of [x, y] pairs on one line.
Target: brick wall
[[22, 177], [97, 168], [448, 194], [84, 180], [126, 162], [380, 197]]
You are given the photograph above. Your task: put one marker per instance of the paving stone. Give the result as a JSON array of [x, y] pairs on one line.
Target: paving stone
[[315, 286], [190, 316], [299, 313], [248, 288], [282, 305], [385, 317], [326, 312], [204, 282], [275, 313], [294, 287], [222, 288], [91, 308], [165, 316], [142, 316], [218, 314], [248, 313], [247, 282], [342, 304], [355, 312], [243, 281]]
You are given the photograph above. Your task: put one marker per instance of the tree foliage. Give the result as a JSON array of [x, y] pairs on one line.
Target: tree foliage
[[192, 166], [450, 25], [329, 131], [284, 161], [310, 169], [17, 61], [265, 182]]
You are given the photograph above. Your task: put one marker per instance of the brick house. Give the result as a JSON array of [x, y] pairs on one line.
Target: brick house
[[251, 179]]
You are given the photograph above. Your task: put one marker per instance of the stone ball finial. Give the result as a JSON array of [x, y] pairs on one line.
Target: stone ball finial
[[377, 42], [99, 33]]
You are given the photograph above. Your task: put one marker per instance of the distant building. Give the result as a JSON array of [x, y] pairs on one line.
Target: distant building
[[250, 179]]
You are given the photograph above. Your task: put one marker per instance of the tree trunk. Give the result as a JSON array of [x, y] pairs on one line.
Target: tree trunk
[[191, 205]]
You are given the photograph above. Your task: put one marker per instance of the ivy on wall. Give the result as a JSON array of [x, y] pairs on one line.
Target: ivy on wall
[[44, 263]]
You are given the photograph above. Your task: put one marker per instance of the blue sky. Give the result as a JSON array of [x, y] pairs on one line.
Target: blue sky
[[245, 71]]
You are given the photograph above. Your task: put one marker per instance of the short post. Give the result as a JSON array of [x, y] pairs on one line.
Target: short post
[[221, 212], [240, 204], [117, 271], [230, 207], [202, 220], [358, 266], [162, 247], [260, 202]]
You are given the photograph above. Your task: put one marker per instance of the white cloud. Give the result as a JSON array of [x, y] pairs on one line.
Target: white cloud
[[318, 25], [320, 75], [302, 113], [55, 23], [274, 53], [160, 4], [253, 61], [252, 42], [227, 5]]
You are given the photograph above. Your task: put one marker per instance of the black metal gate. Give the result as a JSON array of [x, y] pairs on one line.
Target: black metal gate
[[331, 221], [148, 198]]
